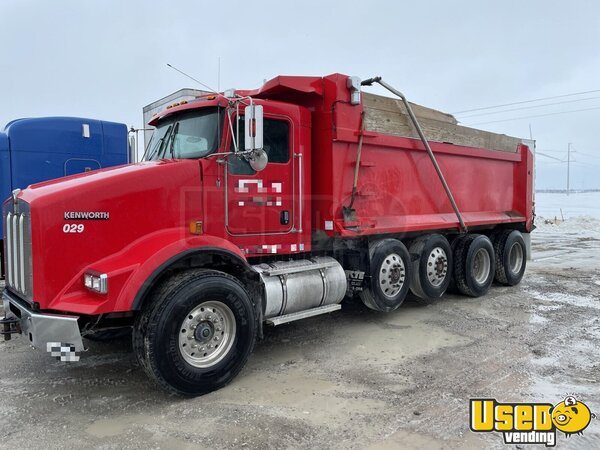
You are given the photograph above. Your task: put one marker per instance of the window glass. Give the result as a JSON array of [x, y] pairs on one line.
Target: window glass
[[187, 135], [276, 142]]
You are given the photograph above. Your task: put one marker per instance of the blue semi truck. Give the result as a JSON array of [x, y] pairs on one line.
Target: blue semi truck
[[40, 149]]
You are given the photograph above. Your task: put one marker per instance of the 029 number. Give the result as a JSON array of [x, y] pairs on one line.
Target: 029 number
[[73, 228]]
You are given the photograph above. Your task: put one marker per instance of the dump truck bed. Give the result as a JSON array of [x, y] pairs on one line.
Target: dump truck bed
[[399, 191], [490, 175]]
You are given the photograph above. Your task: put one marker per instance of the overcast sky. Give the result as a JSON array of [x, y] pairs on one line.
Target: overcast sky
[[107, 59]]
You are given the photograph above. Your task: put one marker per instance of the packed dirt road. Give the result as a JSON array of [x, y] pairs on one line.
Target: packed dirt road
[[353, 379]]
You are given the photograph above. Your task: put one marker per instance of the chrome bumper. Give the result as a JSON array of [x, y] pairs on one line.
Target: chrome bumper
[[50, 332]]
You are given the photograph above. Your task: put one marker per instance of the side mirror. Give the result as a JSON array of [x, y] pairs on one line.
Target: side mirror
[[258, 159], [132, 147], [253, 139]]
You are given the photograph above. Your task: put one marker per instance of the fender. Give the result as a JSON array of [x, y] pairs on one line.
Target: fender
[[158, 272], [133, 270]]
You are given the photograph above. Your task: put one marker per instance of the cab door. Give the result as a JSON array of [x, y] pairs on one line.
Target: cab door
[[263, 203]]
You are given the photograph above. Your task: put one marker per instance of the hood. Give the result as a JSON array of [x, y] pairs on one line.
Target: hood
[[78, 220]]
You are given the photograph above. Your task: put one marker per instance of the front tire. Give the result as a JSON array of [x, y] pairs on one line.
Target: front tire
[[197, 333]]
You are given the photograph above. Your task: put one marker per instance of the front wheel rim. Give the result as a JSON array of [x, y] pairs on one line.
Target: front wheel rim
[[481, 266], [207, 334]]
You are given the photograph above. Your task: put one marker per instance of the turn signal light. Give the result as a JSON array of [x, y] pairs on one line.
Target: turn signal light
[[196, 227]]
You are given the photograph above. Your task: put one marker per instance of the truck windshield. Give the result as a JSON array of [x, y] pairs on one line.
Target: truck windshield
[[189, 135]]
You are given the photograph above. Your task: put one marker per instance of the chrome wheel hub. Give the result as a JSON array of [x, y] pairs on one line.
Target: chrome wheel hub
[[392, 275], [437, 266], [515, 258], [204, 331], [207, 334]]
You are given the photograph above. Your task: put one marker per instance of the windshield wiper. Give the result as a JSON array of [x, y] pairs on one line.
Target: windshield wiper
[[149, 155], [164, 141], [173, 136]]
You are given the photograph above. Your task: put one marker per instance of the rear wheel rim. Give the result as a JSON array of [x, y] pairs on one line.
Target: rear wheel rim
[[515, 258], [392, 275], [207, 334], [437, 266], [481, 266]]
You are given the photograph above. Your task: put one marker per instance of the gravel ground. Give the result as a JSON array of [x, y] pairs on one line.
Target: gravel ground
[[352, 379]]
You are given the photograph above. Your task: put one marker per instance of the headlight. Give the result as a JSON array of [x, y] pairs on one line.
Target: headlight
[[97, 282]]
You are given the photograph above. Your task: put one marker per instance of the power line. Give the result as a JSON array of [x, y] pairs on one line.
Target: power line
[[539, 115], [546, 150], [548, 156], [548, 163], [525, 101], [529, 107], [587, 154], [586, 164]]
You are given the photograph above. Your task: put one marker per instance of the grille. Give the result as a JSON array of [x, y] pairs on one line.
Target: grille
[[17, 248]]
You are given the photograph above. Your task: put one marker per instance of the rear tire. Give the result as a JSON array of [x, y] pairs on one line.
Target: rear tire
[[391, 271], [432, 267], [197, 333], [452, 289], [474, 265], [511, 257]]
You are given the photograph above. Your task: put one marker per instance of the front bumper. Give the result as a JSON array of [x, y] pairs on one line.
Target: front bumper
[[44, 331]]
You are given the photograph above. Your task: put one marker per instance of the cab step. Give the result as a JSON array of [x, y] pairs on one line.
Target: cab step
[[303, 314]]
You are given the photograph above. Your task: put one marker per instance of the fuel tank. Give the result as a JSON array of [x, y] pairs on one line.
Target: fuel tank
[[293, 286]]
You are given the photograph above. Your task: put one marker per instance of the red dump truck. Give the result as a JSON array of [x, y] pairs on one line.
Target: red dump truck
[[261, 207]]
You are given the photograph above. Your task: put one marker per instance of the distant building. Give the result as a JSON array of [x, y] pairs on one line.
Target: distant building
[[159, 105]]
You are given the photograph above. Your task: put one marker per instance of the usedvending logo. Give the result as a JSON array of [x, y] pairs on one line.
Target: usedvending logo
[[530, 423]]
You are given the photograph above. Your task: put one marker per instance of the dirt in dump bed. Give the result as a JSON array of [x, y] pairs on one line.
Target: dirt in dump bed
[[389, 116]]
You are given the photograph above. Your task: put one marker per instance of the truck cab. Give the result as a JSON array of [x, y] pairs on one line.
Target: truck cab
[[271, 203]]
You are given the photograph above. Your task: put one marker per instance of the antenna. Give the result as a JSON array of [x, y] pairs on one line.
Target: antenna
[[530, 133], [219, 75], [192, 78]]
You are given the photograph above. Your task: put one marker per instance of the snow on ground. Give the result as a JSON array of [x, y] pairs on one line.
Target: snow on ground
[[581, 213], [570, 244], [549, 205]]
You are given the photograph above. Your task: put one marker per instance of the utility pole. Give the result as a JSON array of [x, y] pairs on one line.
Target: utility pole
[[568, 165]]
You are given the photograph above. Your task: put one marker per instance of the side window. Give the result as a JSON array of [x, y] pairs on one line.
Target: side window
[[276, 140]]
